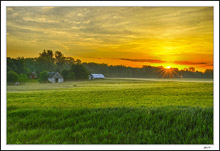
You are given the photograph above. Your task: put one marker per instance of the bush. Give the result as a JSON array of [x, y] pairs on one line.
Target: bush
[[43, 77], [12, 76], [22, 77]]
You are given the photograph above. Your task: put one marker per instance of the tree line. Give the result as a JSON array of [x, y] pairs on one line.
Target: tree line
[[146, 71], [48, 61], [21, 69]]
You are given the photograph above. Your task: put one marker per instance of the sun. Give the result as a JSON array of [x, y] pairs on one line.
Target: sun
[[168, 67], [168, 72]]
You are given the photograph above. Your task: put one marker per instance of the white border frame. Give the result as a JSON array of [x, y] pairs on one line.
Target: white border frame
[[4, 4]]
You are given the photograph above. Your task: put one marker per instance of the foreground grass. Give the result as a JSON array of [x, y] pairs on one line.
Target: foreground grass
[[111, 111], [182, 125]]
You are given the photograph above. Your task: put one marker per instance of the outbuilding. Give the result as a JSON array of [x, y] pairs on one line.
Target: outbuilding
[[96, 76], [55, 77], [33, 75]]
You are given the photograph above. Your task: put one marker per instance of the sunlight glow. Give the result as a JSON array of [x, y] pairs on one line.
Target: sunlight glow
[[168, 72], [168, 67], [98, 34]]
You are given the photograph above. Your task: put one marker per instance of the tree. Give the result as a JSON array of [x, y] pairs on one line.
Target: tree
[[47, 54], [12, 76], [69, 61], [45, 61], [10, 64], [59, 60], [80, 71], [49, 61], [192, 69], [18, 65], [31, 65], [208, 73], [78, 61], [71, 76], [43, 77], [65, 73], [22, 77]]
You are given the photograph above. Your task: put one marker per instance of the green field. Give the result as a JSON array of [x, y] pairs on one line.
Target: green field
[[111, 111]]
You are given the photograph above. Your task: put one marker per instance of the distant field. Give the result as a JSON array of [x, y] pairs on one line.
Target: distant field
[[111, 111]]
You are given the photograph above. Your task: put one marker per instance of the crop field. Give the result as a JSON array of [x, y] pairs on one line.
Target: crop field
[[111, 111]]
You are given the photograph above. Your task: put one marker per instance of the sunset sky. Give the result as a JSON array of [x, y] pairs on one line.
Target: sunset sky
[[179, 37]]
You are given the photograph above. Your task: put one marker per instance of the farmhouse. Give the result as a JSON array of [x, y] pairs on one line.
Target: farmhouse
[[96, 76], [55, 77]]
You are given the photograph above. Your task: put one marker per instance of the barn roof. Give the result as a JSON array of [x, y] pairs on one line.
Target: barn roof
[[98, 75], [51, 74]]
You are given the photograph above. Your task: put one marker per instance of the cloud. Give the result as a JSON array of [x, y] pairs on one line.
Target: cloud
[[9, 9], [189, 63], [153, 33], [79, 14], [143, 60], [40, 20], [46, 8]]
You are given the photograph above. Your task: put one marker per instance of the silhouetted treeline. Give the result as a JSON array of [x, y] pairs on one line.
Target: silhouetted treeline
[[146, 71], [47, 61], [20, 69]]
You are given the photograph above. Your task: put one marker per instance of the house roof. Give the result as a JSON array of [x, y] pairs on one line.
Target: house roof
[[98, 75], [52, 74]]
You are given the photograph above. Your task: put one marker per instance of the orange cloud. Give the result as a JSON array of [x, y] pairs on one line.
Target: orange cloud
[[158, 36], [143, 60], [189, 63]]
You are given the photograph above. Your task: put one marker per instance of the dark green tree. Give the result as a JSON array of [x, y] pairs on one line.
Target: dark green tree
[[65, 73], [22, 78], [10, 64], [59, 60], [18, 65], [31, 64], [71, 76], [208, 73], [21, 66], [43, 77], [69, 61], [12, 76], [45, 61], [81, 73]]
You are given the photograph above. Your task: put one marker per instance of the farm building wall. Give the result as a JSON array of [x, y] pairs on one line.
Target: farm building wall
[[60, 80], [56, 78], [53, 80]]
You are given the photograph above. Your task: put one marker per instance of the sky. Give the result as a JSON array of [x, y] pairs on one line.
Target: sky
[[180, 37]]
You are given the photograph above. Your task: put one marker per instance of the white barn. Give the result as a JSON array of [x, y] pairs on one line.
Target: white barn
[[55, 77], [96, 76]]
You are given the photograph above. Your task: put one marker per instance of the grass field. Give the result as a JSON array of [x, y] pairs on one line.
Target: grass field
[[111, 111]]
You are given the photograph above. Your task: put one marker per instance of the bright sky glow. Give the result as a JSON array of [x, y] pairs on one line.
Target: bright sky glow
[[179, 37], [168, 67]]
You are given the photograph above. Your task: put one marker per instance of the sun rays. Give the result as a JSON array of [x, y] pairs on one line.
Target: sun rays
[[169, 72]]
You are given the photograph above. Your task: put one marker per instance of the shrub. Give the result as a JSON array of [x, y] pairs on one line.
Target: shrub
[[22, 77], [12, 76], [43, 77]]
